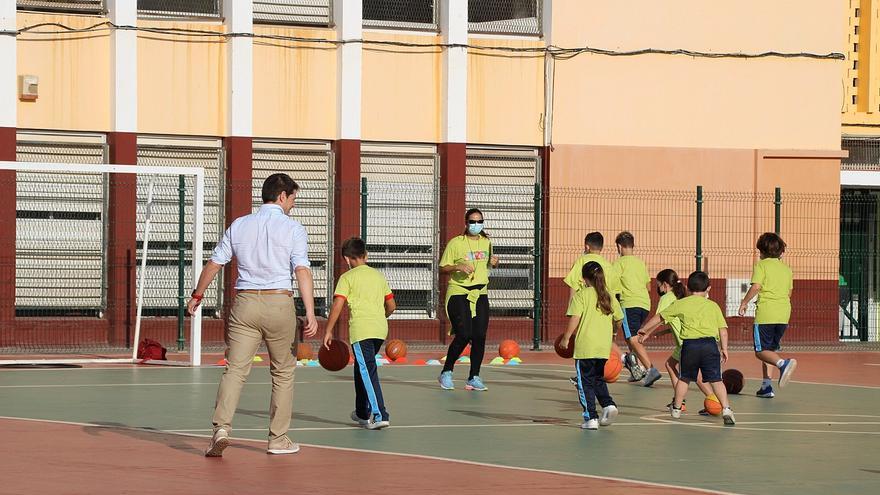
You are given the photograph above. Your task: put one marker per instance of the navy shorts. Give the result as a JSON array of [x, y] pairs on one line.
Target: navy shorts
[[768, 336], [700, 356], [632, 321]]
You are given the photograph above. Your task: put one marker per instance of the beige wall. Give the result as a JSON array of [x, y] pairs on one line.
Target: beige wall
[[74, 72], [181, 81], [401, 89], [294, 85], [663, 100], [505, 93]]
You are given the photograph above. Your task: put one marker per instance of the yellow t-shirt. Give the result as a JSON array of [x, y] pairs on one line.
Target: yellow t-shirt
[[575, 280], [634, 280], [476, 253], [699, 317], [365, 290], [595, 329], [665, 301], [774, 298]]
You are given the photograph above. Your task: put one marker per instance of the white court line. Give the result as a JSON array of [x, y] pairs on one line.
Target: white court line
[[399, 427], [398, 454], [387, 381], [663, 418]]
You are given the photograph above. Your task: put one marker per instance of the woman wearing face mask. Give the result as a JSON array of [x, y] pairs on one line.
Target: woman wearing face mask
[[467, 259]]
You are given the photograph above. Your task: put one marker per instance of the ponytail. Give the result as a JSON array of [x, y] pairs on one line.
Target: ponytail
[[669, 277], [595, 276]]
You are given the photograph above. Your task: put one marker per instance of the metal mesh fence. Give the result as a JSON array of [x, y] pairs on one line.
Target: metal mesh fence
[[180, 8], [518, 17], [75, 6], [294, 12], [401, 14]]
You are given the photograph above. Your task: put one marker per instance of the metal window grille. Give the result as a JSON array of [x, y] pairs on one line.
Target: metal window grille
[[402, 222], [311, 166], [518, 17], [60, 238], [864, 153], [401, 14], [294, 12], [160, 291], [501, 183], [180, 8], [74, 6]]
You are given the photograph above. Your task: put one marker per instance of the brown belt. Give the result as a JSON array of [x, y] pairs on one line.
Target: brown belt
[[266, 291]]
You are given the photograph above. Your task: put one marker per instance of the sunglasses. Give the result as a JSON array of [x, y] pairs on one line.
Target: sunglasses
[[471, 222]]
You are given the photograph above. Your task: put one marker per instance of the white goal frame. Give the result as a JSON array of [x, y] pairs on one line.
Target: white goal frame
[[195, 342]]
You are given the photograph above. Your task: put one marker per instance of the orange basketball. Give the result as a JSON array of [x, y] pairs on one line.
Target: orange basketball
[[395, 349], [612, 368], [508, 349], [712, 405], [304, 351], [568, 352], [336, 357]]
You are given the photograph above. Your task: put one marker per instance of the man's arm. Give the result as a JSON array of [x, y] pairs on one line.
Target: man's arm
[[210, 270], [306, 287]]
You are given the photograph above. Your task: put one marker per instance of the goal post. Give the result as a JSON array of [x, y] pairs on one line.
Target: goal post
[[67, 246]]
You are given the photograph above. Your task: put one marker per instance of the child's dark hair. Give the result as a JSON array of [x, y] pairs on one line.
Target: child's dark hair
[[625, 239], [595, 276], [467, 217], [770, 245], [698, 282], [668, 276], [354, 247], [594, 240]]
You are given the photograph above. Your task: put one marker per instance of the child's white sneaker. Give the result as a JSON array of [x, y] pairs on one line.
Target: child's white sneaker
[[592, 424], [608, 415], [727, 415], [675, 412]]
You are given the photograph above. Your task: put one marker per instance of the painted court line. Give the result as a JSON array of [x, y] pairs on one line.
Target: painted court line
[[396, 454], [388, 381], [663, 418], [400, 427]]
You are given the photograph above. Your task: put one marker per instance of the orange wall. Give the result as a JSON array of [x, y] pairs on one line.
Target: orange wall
[[74, 72], [294, 85]]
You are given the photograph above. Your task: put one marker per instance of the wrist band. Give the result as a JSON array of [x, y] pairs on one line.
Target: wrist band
[[197, 297]]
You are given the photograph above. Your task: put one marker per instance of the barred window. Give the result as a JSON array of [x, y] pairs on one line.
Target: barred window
[[293, 12], [73, 6], [180, 8], [864, 153], [401, 14], [505, 17]]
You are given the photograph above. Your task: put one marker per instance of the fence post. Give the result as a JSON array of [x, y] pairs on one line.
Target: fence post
[[699, 246], [777, 201], [536, 321], [364, 209], [181, 262]]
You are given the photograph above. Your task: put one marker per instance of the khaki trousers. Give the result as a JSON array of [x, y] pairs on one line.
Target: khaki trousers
[[254, 318]]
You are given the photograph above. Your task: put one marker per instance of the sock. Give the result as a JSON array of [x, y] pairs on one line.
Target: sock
[[780, 363], [766, 383]]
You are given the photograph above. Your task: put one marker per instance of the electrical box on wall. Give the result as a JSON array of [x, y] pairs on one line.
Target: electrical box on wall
[[28, 87]]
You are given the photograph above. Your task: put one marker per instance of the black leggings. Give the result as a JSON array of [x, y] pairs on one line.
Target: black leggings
[[467, 329]]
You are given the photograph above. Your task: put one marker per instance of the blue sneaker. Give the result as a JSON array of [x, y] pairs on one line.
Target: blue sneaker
[[786, 371], [766, 392], [446, 381], [475, 384]]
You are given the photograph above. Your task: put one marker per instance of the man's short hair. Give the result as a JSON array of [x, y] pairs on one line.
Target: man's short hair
[[354, 247], [594, 240], [625, 239], [698, 282], [275, 184]]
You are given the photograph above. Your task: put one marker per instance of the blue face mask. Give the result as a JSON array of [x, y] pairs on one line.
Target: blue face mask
[[475, 228]]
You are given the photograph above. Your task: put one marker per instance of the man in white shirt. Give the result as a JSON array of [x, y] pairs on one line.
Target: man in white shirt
[[268, 246]]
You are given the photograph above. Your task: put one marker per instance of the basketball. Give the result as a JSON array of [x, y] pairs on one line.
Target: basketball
[[733, 381], [336, 357], [564, 353], [508, 349], [304, 351], [612, 368], [395, 349], [712, 405]]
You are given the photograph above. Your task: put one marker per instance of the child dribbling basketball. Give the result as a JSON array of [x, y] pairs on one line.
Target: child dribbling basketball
[[370, 302], [593, 313]]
